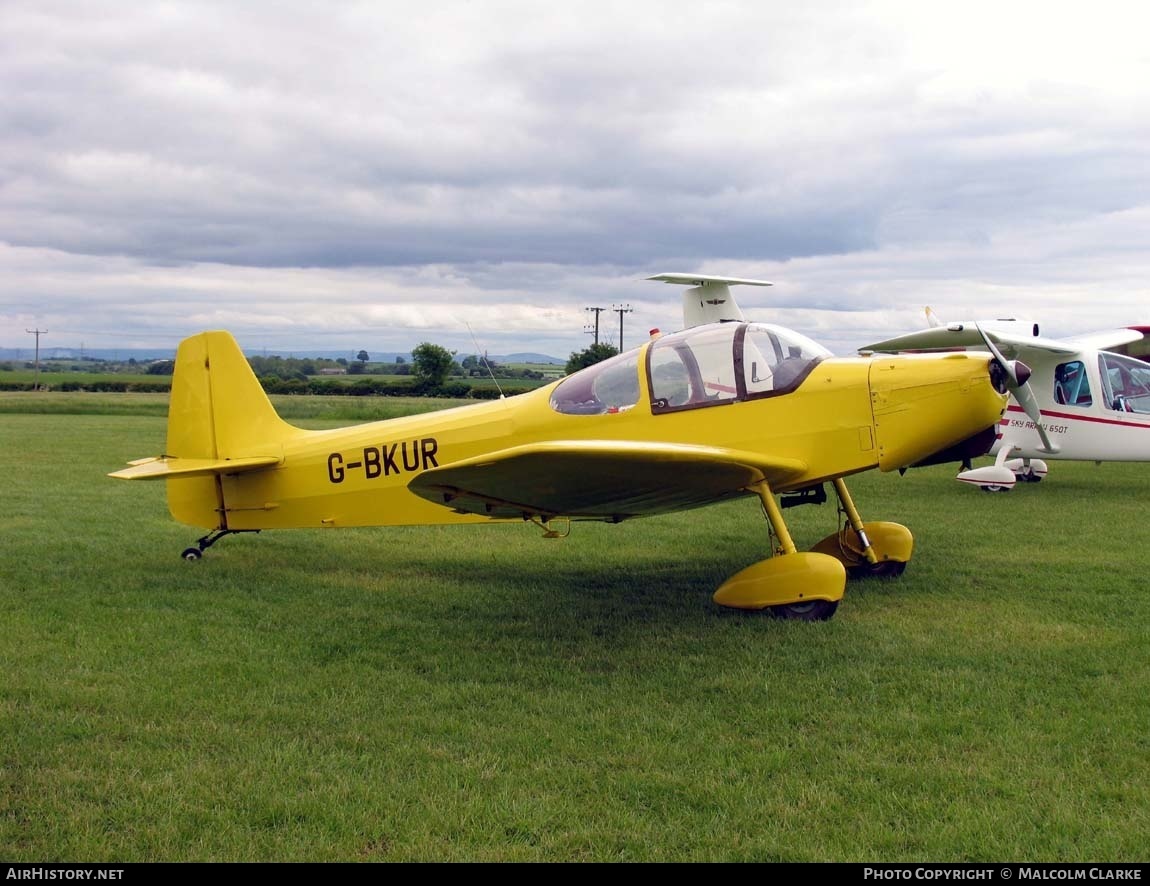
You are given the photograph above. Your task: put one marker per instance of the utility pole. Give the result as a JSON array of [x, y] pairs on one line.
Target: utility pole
[[621, 310], [597, 312], [36, 376]]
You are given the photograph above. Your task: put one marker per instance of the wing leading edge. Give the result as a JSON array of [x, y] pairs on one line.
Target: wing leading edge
[[598, 479], [961, 336]]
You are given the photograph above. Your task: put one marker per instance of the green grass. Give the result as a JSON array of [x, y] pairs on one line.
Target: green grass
[[292, 408], [482, 693]]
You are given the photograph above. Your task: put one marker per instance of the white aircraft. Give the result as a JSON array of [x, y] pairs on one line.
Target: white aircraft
[[1089, 395]]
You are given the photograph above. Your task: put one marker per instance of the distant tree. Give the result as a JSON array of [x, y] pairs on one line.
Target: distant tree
[[161, 367], [355, 368], [400, 359], [470, 362], [590, 356], [362, 357], [432, 364], [342, 361]]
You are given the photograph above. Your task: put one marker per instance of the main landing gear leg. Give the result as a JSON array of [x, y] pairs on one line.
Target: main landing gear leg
[[847, 505], [792, 584], [866, 549], [202, 544]]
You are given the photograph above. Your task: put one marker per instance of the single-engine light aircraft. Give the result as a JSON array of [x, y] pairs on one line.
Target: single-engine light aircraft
[[704, 415], [1089, 401]]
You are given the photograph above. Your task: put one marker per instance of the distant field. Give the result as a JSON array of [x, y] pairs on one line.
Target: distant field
[[55, 379], [481, 693], [349, 409]]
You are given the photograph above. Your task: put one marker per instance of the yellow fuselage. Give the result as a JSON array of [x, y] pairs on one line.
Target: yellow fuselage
[[848, 415]]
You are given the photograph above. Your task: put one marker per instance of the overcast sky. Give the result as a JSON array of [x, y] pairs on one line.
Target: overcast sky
[[376, 174]]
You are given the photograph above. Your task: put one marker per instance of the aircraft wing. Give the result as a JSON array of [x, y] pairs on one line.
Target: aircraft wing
[[598, 479], [1104, 341], [162, 468], [962, 336]]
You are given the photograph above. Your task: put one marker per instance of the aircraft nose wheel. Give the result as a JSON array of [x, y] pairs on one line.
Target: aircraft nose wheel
[[192, 554]]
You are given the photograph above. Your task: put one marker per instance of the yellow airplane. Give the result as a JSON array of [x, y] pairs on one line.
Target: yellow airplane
[[704, 415]]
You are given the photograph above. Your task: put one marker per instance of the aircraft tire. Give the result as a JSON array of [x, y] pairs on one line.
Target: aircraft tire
[[810, 610], [192, 554], [882, 569]]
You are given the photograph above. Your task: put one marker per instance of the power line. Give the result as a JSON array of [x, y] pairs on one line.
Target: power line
[[597, 312]]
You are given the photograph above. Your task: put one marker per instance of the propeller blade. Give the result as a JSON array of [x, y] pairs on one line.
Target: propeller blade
[[1018, 381]]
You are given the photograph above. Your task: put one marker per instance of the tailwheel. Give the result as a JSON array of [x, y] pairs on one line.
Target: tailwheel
[[811, 610], [202, 544]]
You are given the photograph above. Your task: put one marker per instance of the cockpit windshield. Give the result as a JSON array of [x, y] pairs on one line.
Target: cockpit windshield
[[775, 359], [610, 386], [1127, 381]]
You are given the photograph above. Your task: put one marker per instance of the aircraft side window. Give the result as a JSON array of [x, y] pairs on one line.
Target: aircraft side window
[[671, 379], [1071, 386], [1128, 380], [610, 386], [693, 368]]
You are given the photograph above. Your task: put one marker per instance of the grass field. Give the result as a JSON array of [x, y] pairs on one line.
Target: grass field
[[482, 693], [54, 379]]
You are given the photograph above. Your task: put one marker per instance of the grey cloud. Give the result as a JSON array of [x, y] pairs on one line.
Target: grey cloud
[[572, 148]]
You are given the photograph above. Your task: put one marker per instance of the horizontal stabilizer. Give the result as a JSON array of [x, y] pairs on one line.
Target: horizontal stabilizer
[[709, 300], [701, 279], [163, 468]]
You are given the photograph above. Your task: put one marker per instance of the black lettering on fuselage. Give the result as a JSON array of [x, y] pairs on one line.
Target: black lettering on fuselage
[[412, 465], [386, 459], [427, 449]]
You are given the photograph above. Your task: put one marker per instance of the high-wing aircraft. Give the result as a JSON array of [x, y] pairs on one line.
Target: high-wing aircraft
[[1090, 395], [708, 414]]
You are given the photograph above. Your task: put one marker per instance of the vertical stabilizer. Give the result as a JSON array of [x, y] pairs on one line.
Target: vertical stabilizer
[[218, 410]]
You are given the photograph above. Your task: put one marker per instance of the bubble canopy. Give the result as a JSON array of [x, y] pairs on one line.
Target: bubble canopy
[[698, 367]]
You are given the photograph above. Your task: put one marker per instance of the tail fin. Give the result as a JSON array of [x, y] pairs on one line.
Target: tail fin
[[220, 421], [218, 408]]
